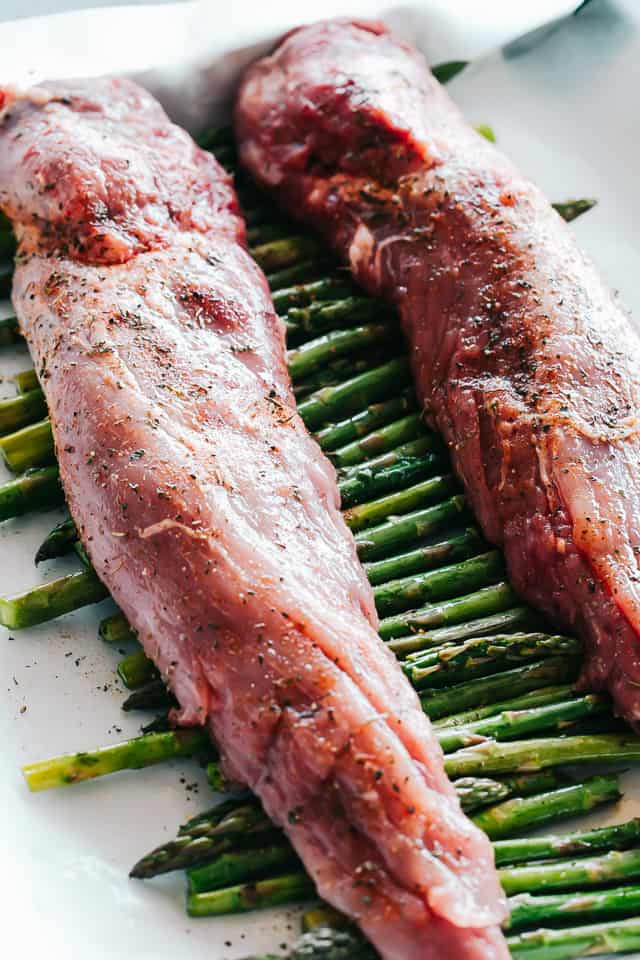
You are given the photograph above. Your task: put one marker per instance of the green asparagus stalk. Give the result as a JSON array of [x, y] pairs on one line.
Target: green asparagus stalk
[[536, 754], [238, 816], [414, 448], [385, 509], [379, 441], [511, 724], [9, 331], [131, 754], [355, 394], [337, 315], [302, 272], [528, 910], [334, 373], [335, 287], [136, 670], [6, 278], [215, 137], [286, 252], [535, 698], [458, 547], [303, 360], [580, 874], [51, 600], [370, 483], [486, 690], [153, 695], [443, 72], [481, 603], [285, 889], [35, 490], [574, 208], [476, 792], [396, 534], [31, 446], [450, 581], [266, 232], [521, 813], [18, 412], [484, 655], [58, 542], [377, 415], [116, 630], [504, 621], [26, 381], [580, 842], [241, 866], [621, 936]]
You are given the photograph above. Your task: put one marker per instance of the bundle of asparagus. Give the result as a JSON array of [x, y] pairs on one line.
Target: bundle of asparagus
[[496, 685]]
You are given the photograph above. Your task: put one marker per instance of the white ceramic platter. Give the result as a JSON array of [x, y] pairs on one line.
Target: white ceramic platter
[[566, 108]]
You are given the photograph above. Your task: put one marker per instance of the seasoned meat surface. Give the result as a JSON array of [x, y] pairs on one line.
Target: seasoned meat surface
[[214, 518], [521, 355]]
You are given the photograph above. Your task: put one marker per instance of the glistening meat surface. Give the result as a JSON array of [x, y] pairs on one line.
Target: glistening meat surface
[[521, 355], [213, 517]]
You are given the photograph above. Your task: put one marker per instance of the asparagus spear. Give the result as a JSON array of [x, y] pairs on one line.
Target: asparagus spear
[[303, 360], [520, 723], [26, 381], [376, 415], [9, 331], [355, 394], [574, 208], [369, 483], [535, 698], [288, 888], [215, 137], [116, 629], [526, 849], [443, 72], [153, 695], [6, 278], [304, 271], [486, 690], [58, 542], [131, 754], [31, 446], [612, 867], [18, 412], [503, 621], [483, 655], [379, 441], [35, 490], [615, 937], [441, 584], [51, 600], [136, 669], [536, 754], [266, 232], [336, 315], [286, 252], [241, 815], [338, 370], [488, 600], [458, 547], [403, 503], [520, 813], [414, 448], [395, 534], [335, 287], [527, 910], [241, 866]]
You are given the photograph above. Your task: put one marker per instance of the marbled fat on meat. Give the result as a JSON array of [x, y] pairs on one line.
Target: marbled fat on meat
[[213, 517], [521, 355]]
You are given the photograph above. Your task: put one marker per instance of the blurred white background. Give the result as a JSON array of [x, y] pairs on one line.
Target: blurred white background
[[12, 9]]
